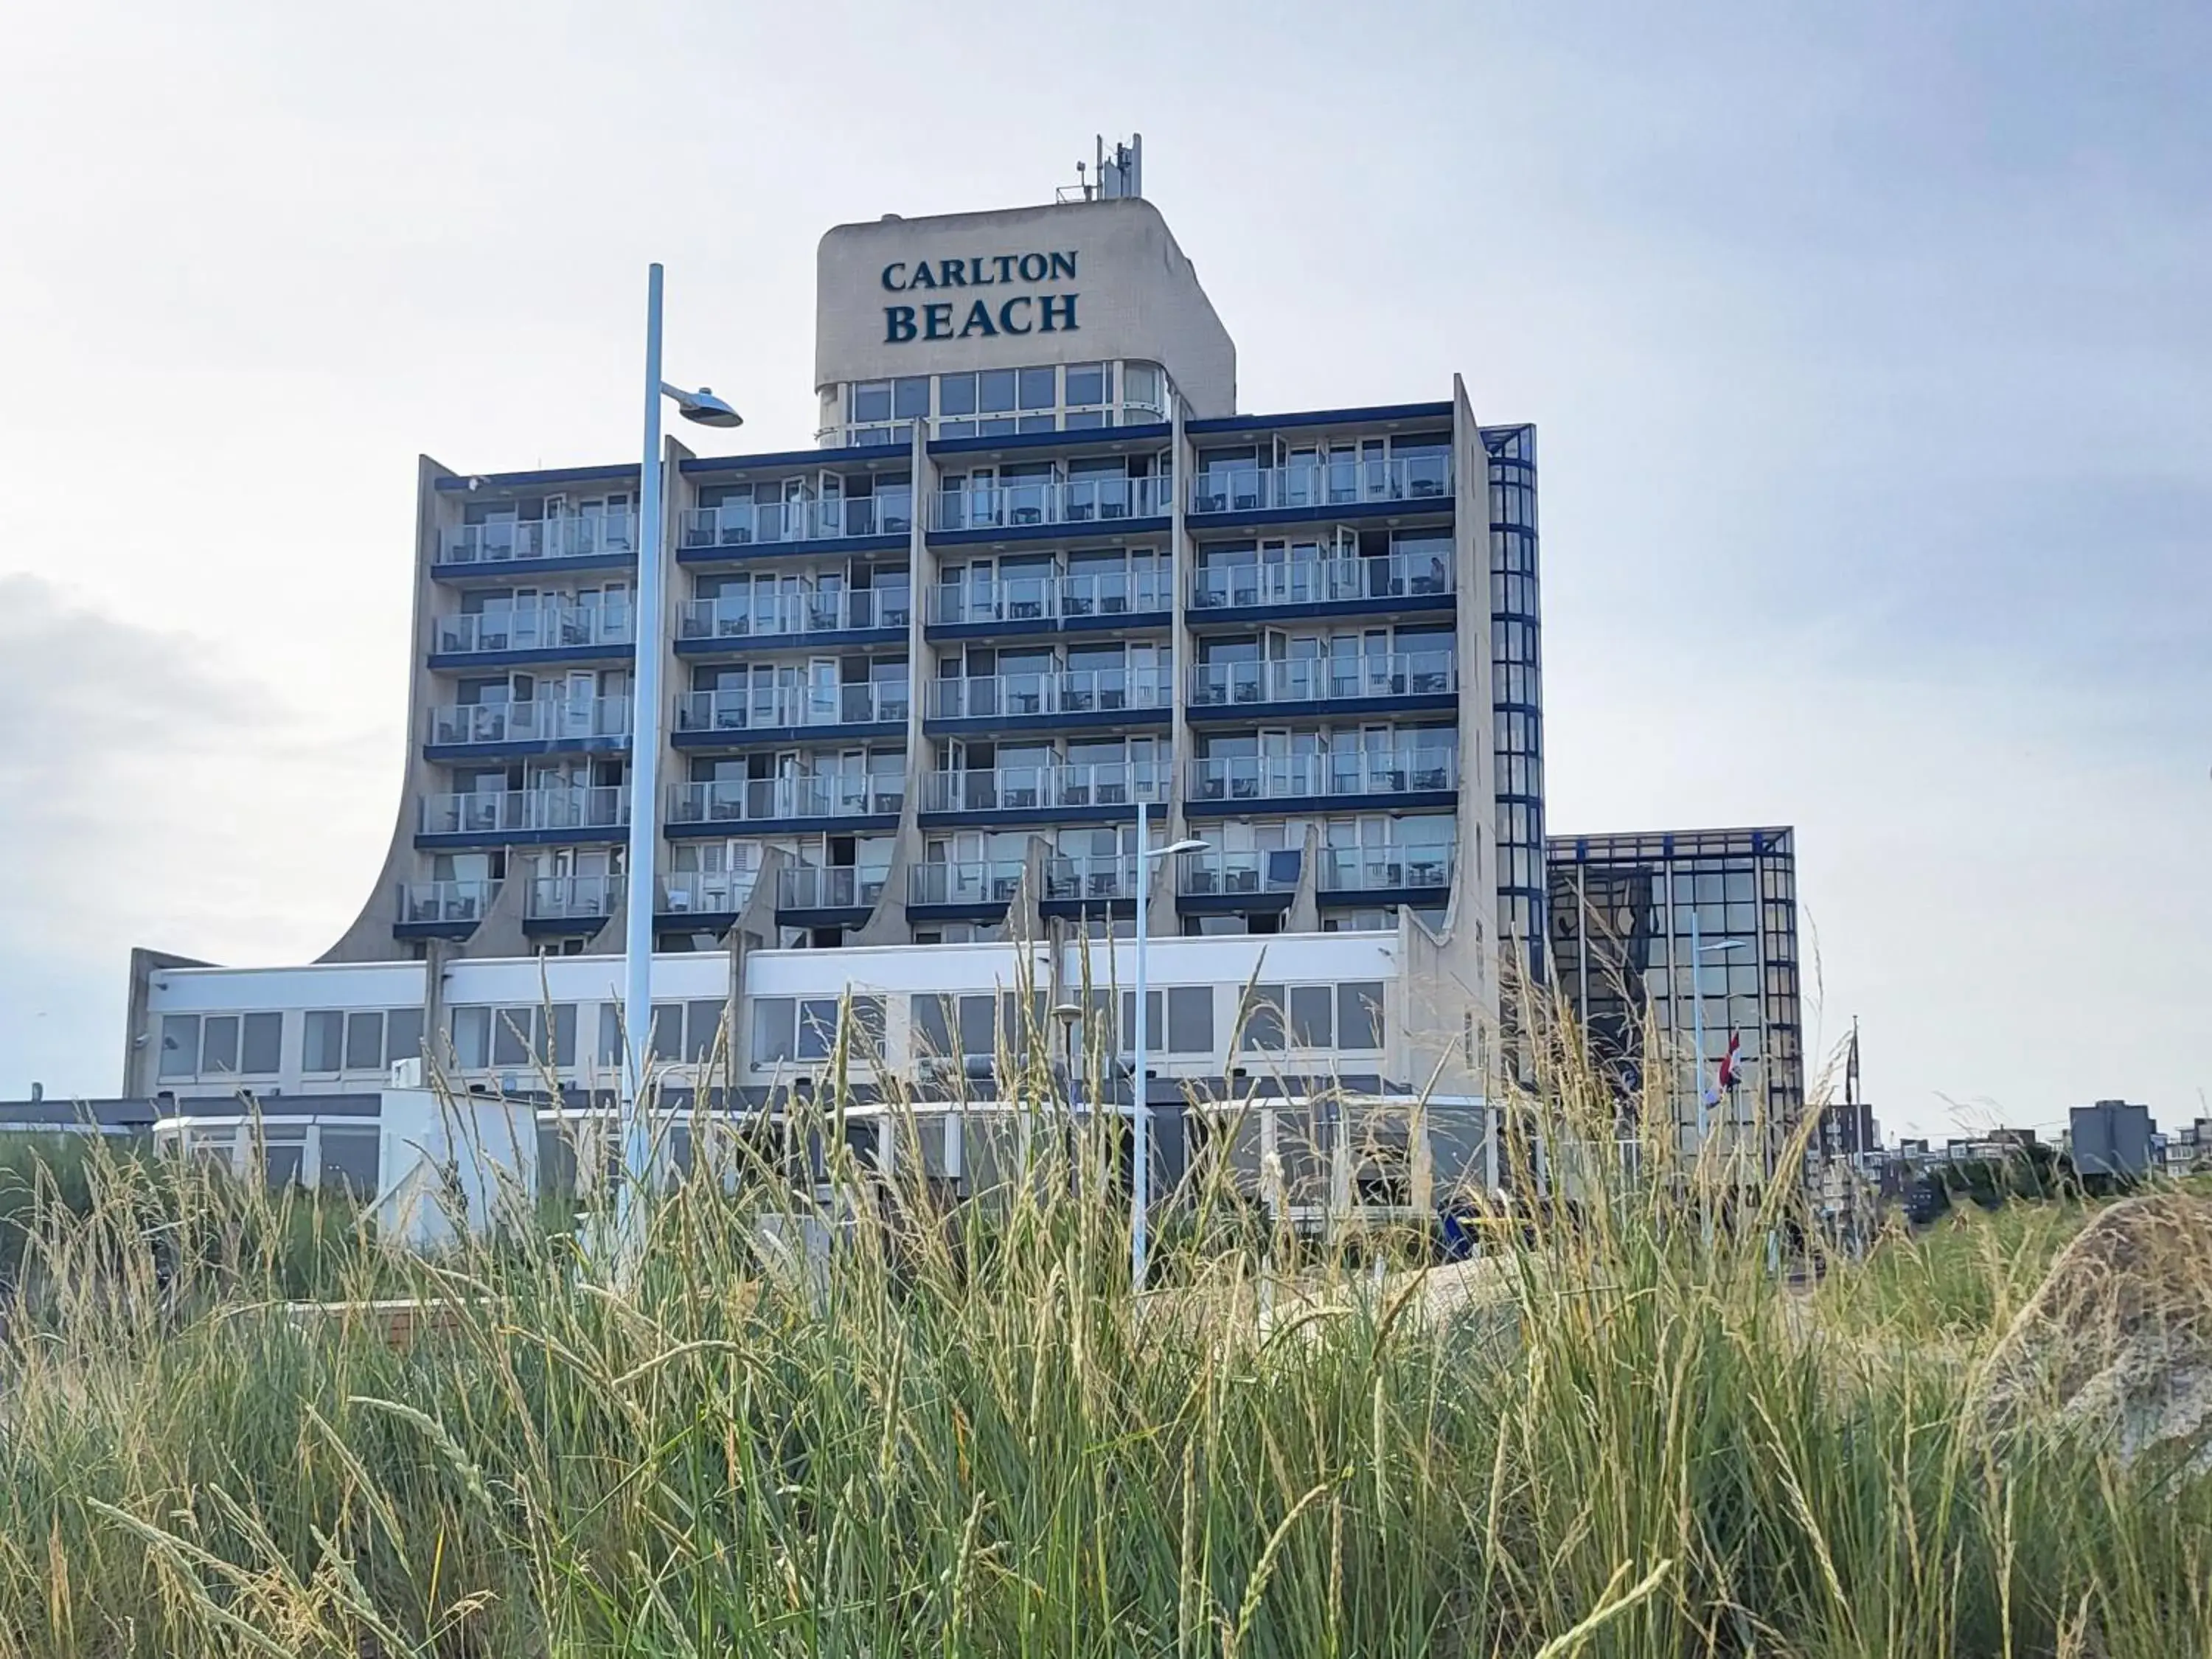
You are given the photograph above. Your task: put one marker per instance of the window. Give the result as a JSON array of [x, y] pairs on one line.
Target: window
[[955, 394], [817, 1027], [1359, 1015], [995, 391], [702, 1030], [1089, 383], [364, 1041], [221, 1045], [1037, 390], [1313, 1023], [773, 1034], [261, 1045], [181, 1045], [512, 1038], [360, 1040], [1262, 1031], [976, 1021], [1346, 1017], [1177, 1021], [323, 1048], [910, 397], [805, 1028], [871, 401], [347, 1161], [932, 1022]]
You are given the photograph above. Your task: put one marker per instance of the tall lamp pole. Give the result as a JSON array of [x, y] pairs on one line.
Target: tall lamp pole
[[1140, 1109], [647, 622]]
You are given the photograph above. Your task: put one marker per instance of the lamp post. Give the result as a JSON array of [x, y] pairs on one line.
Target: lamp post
[[1140, 1111], [648, 620]]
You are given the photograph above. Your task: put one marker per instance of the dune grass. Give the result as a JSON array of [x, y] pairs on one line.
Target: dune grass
[[967, 1437]]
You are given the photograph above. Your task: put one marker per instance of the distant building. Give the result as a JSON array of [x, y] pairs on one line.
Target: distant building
[[2111, 1139]]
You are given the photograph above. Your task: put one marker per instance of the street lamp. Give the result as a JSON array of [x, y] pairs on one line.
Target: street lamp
[[1140, 1111], [704, 407]]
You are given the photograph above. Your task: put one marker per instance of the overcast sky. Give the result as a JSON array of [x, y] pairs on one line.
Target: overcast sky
[[1868, 345]]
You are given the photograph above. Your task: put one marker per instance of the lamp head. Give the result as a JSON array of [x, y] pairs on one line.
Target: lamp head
[[704, 407]]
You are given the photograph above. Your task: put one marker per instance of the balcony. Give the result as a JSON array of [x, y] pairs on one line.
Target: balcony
[[1323, 486], [444, 907], [793, 618], [1247, 778], [1405, 675], [740, 801], [1092, 880], [547, 628], [706, 892], [544, 722], [1419, 873], [571, 898], [1217, 874], [1089, 692], [1046, 790], [842, 888], [735, 711], [1080, 597], [603, 537], [552, 811], [758, 524], [1021, 506], [1419, 578], [985, 885]]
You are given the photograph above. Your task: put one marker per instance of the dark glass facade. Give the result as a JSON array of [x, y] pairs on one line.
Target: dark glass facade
[[1516, 693]]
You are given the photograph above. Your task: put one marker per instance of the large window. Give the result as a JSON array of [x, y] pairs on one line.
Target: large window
[[515, 1038], [801, 1030], [221, 1045], [1347, 1017], [336, 1040]]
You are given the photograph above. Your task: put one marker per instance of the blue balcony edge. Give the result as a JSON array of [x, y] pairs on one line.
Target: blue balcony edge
[[824, 916], [1366, 801], [1100, 906], [1081, 437], [789, 457], [827, 824], [999, 818], [958, 910], [1429, 411], [699, 921], [1118, 528], [1237, 617], [1410, 507], [494, 570], [563, 924], [1233, 905], [443, 839], [821, 546], [1418, 897], [433, 929], [460, 662], [1318, 707], [1076, 720], [1123, 623], [742, 737], [752, 644], [454, 751]]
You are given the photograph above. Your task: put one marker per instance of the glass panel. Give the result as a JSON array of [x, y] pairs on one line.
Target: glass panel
[[995, 391], [1311, 1016], [773, 1020], [817, 1027], [181, 1045], [349, 1160], [702, 1030], [1037, 391], [1262, 1025], [1359, 1015], [219, 1044], [1190, 1019], [323, 1048], [364, 1041], [402, 1034], [262, 1045]]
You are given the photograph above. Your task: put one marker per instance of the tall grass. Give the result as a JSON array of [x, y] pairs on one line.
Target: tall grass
[[966, 1435]]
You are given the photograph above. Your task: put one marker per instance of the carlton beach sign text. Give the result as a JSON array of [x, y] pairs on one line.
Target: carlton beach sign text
[[987, 315]]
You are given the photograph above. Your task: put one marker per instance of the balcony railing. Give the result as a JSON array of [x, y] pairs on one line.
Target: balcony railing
[[547, 627], [1050, 597], [747, 524], [1012, 504], [813, 888], [744, 800], [769, 708], [571, 535], [446, 901], [515, 811], [543, 720], [1073, 691], [793, 616], [707, 892], [1377, 869], [1321, 485], [577, 898], [1218, 873], [1024, 788], [1323, 679], [1319, 581], [1357, 772], [988, 882], [1090, 877]]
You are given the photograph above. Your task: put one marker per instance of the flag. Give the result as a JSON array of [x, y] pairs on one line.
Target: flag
[[1732, 1062]]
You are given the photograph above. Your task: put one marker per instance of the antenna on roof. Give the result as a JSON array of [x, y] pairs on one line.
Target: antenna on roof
[[1113, 176]]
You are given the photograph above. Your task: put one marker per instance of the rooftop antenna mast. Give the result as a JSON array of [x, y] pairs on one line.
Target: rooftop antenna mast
[[1114, 175]]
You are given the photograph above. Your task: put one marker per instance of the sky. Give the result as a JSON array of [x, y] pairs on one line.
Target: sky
[[1867, 345]]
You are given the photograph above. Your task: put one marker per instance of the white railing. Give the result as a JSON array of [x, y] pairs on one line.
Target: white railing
[[1319, 581], [1376, 869], [446, 901], [747, 524], [1323, 679], [989, 882], [813, 888], [1321, 485], [1356, 772], [1091, 877], [757, 615], [542, 719], [567, 807], [1009, 504], [1219, 873], [764, 708], [707, 892], [750, 800], [579, 896], [1138, 590], [571, 535], [1023, 788], [554, 625], [1072, 691]]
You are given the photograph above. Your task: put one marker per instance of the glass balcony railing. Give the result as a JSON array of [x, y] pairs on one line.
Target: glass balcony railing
[[446, 901], [548, 627], [1027, 788], [987, 882], [707, 892], [748, 524], [1378, 869], [1321, 484], [1135, 591], [793, 616], [1323, 679], [813, 888], [759, 800], [1072, 691], [571, 535], [1090, 877], [1218, 873], [543, 720], [1014, 504], [1319, 581], [567, 807], [1358, 771], [581, 898], [769, 708]]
